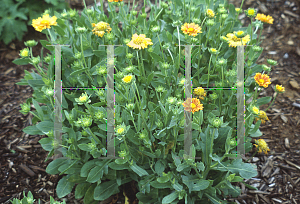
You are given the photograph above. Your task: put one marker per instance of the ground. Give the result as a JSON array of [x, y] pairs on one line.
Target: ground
[[22, 165]]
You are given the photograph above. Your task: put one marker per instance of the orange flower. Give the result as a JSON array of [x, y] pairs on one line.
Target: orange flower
[[191, 29], [262, 80], [263, 18], [280, 88], [262, 116], [115, 0], [193, 105]]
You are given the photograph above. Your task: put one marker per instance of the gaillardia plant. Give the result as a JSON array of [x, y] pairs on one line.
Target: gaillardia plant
[[151, 103]]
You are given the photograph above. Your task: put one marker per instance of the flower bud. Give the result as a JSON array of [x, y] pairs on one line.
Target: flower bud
[[272, 62], [165, 65], [233, 143], [222, 10], [238, 10], [266, 68], [256, 48], [129, 56], [129, 69], [55, 144], [221, 62], [25, 108], [159, 124], [72, 13], [221, 5], [196, 20], [144, 15], [224, 16], [213, 96], [176, 23], [133, 22], [80, 29], [84, 133], [240, 34], [101, 70], [35, 60], [49, 92], [171, 100], [250, 12], [217, 122], [210, 22], [130, 106], [89, 11], [24, 52], [126, 41], [155, 29], [99, 115], [194, 40], [110, 36], [30, 43], [47, 59], [150, 49], [193, 8], [120, 75], [164, 5], [213, 51], [122, 153], [181, 123], [134, 13], [78, 55], [160, 89], [166, 46]]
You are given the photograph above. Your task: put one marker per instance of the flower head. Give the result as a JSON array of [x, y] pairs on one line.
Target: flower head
[[238, 10], [262, 79], [262, 116], [193, 105], [24, 52], [262, 145], [83, 99], [31, 43], [80, 29], [127, 79], [280, 88], [45, 22], [100, 28], [213, 51], [199, 91], [121, 129], [255, 110], [234, 41], [250, 12], [210, 13], [191, 29], [139, 41], [265, 19]]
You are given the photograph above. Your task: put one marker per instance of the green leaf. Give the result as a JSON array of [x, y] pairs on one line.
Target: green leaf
[[159, 167], [256, 134], [182, 166], [79, 71], [85, 147], [213, 199], [158, 185], [119, 51], [80, 190], [170, 198], [155, 57], [75, 178], [105, 190], [257, 124], [38, 109], [141, 172], [46, 143], [97, 172], [115, 166], [32, 130], [22, 61], [263, 100], [87, 167], [45, 126], [150, 77], [64, 187], [163, 179], [59, 30], [45, 44], [89, 195]]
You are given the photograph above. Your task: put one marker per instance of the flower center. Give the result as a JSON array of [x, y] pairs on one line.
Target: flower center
[[120, 130], [261, 81], [101, 26], [193, 105], [45, 22], [240, 33], [138, 40], [191, 29], [251, 12]]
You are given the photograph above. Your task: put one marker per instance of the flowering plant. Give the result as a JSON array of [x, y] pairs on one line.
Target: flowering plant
[[152, 106]]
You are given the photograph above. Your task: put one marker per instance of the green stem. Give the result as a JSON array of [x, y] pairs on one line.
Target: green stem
[[252, 155], [272, 101], [259, 36], [82, 50], [50, 35], [255, 93], [208, 70], [160, 47], [251, 30], [178, 46], [95, 138], [200, 44]]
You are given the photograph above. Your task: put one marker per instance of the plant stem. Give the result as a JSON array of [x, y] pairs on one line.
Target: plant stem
[[272, 101], [178, 46], [251, 30], [81, 45], [208, 70], [161, 47], [252, 155]]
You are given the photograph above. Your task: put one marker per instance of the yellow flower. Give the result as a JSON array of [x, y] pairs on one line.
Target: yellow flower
[[199, 91], [191, 29], [250, 12], [280, 88], [262, 145], [262, 80], [83, 98], [237, 10], [210, 13], [100, 28], [120, 130], [115, 0], [255, 110], [24, 52], [234, 41], [265, 19], [262, 116], [43, 23], [139, 41], [127, 79], [193, 105]]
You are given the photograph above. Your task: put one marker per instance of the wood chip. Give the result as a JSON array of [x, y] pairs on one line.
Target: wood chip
[[259, 192], [294, 84], [290, 13], [27, 170], [291, 163], [287, 143], [285, 120]]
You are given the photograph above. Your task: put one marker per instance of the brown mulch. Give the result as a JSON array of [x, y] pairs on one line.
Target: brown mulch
[[22, 166]]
